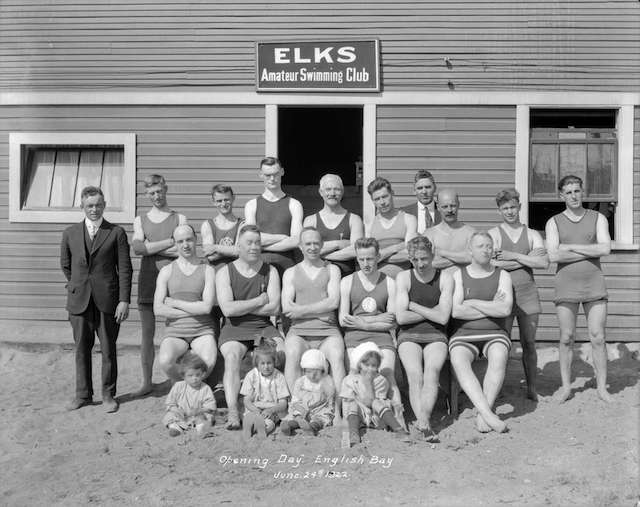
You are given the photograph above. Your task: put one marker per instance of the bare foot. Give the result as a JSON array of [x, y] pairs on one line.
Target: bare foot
[[495, 423], [481, 425], [562, 395], [605, 396], [532, 394]]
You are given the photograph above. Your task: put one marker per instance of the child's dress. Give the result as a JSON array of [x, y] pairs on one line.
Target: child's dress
[[353, 392], [184, 402], [316, 398], [264, 392]]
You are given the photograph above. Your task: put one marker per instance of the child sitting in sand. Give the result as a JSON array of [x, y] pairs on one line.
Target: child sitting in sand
[[365, 394], [265, 393], [311, 407], [190, 403]]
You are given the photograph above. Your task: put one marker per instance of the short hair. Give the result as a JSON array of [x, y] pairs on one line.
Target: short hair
[[266, 349], [307, 229], [90, 191], [154, 179], [270, 161], [484, 234], [379, 183], [195, 234], [192, 361], [367, 243], [419, 244], [367, 356], [221, 189], [248, 228], [422, 174], [506, 195], [567, 180], [329, 176]]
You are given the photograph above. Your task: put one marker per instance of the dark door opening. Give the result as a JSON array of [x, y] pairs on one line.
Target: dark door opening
[[313, 141]]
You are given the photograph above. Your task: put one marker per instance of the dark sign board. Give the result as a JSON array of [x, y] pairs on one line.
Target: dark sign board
[[318, 66]]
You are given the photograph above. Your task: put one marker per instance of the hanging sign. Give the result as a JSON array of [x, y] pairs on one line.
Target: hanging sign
[[324, 66]]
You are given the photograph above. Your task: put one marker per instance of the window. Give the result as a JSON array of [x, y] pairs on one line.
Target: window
[[49, 171], [573, 141]]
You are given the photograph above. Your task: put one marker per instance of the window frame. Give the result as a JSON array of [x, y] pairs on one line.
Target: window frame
[[623, 221], [17, 172]]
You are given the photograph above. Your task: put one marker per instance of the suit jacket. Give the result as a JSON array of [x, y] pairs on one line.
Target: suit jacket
[[412, 209], [103, 272]]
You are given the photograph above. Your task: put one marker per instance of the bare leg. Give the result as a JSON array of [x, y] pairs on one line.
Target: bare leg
[[205, 346], [435, 354], [411, 357], [294, 347], [528, 325], [387, 368], [497, 355], [461, 359], [567, 313], [233, 352], [171, 349], [596, 321], [147, 348], [333, 349]]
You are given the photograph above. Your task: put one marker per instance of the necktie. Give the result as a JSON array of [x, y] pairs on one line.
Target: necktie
[[92, 231], [428, 222]]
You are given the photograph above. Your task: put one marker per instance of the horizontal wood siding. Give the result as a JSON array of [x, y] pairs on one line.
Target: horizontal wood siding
[[490, 45], [472, 149], [193, 147]]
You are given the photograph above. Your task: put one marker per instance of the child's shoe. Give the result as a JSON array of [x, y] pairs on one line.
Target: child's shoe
[[174, 430]]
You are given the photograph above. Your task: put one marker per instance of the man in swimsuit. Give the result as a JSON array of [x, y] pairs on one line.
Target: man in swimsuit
[[424, 209], [518, 250], [423, 308], [248, 293], [367, 312], [391, 227], [576, 239], [277, 215], [450, 237], [310, 298], [482, 299], [185, 294], [338, 228], [153, 240], [220, 235]]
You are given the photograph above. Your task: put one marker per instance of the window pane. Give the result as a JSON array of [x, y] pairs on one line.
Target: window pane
[[89, 172], [573, 160], [543, 167], [600, 164], [112, 174], [39, 176], [64, 178]]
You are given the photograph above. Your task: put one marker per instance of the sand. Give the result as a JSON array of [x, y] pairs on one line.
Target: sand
[[584, 452]]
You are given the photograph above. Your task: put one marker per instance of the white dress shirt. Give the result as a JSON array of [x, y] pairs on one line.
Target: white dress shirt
[[421, 218], [92, 227]]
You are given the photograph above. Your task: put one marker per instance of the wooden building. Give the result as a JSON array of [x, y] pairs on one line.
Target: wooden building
[[484, 94]]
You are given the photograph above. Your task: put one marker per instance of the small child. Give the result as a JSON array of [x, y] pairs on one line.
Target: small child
[[265, 393], [365, 394], [190, 402], [311, 407]]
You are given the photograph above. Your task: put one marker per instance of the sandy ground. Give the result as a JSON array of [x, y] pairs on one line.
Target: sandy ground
[[582, 453]]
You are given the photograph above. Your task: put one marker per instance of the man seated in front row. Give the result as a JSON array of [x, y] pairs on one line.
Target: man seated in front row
[[367, 312], [482, 299], [310, 298], [248, 293]]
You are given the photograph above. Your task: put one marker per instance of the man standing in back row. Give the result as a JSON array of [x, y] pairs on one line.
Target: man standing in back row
[[94, 257], [278, 217], [424, 209]]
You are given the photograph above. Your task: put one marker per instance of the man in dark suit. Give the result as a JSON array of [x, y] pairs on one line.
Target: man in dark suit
[[424, 209], [94, 257]]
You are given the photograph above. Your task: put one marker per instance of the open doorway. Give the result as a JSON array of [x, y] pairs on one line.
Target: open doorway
[[313, 141]]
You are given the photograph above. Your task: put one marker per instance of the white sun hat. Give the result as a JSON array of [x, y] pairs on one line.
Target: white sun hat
[[360, 351], [314, 359]]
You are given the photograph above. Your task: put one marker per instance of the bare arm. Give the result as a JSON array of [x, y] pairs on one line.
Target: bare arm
[[383, 321], [273, 294], [536, 258], [403, 314], [345, 299], [231, 307], [459, 309], [442, 311], [556, 254], [325, 305], [603, 241], [159, 306], [203, 306], [348, 252], [501, 304]]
